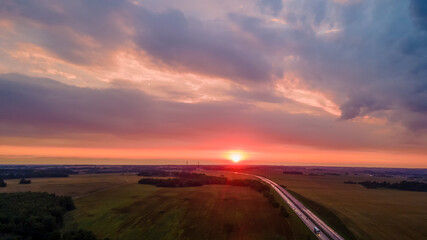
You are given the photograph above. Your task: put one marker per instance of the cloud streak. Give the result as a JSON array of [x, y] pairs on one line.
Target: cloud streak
[[44, 106]]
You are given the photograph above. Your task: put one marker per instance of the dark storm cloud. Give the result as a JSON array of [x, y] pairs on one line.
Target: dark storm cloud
[[419, 9], [375, 63], [44, 107], [49, 104], [361, 105], [187, 44], [271, 6]]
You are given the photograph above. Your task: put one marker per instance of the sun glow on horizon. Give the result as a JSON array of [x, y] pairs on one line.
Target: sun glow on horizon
[[236, 156]]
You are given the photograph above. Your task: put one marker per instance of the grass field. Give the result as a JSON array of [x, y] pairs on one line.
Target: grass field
[[367, 213], [328, 216], [114, 206], [75, 185], [293, 219]]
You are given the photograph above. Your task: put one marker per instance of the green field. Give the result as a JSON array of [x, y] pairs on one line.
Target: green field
[[75, 185], [367, 213], [115, 206]]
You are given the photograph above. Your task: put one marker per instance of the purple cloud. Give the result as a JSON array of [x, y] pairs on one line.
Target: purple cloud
[[47, 108]]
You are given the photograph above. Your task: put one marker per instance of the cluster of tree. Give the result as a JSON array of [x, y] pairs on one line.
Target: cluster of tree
[[78, 235], [292, 172], [383, 175], [171, 182], [2, 183], [179, 174], [272, 200], [283, 211], [254, 184], [332, 174], [106, 169], [31, 215], [14, 173], [24, 181], [350, 182], [403, 185], [232, 167], [154, 173], [184, 180], [206, 179]]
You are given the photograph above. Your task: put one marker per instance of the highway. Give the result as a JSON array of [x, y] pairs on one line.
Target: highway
[[311, 220]]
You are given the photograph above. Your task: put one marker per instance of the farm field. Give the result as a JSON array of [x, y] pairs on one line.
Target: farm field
[[367, 213], [75, 185], [114, 206]]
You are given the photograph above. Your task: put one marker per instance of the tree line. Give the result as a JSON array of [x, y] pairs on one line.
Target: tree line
[[2, 183], [154, 173], [182, 179], [403, 185], [293, 172], [350, 182], [15, 173], [36, 216], [24, 181]]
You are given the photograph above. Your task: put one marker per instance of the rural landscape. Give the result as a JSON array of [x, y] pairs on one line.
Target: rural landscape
[[213, 120], [209, 202]]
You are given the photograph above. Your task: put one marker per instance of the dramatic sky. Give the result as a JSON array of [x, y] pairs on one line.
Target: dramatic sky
[[325, 82]]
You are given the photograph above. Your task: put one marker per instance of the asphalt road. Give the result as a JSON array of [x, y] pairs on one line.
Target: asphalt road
[[302, 212]]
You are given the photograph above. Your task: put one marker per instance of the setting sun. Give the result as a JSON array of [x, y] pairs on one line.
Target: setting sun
[[235, 156]]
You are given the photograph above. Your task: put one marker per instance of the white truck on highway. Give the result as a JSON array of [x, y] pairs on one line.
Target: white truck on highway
[[316, 230]]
